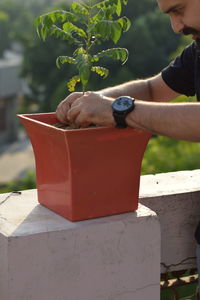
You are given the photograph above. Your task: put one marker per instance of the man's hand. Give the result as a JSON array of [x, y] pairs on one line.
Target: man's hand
[[83, 110], [64, 107]]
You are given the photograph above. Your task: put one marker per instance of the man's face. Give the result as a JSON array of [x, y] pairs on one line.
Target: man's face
[[184, 16]]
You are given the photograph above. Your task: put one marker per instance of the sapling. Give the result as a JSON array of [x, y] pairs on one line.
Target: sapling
[[86, 24]]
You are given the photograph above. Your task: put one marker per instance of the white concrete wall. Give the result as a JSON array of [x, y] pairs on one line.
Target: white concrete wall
[[4, 288], [45, 257], [175, 197]]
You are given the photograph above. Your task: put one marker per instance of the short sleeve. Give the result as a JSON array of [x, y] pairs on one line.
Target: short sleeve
[[180, 74]]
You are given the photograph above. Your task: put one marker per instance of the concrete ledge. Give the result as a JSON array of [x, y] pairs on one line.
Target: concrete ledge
[[171, 183], [45, 257], [175, 197]]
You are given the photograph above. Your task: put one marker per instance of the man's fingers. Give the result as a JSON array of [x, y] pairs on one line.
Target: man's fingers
[[61, 114], [65, 105], [73, 113], [72, 97], [79, 118], [81, 122]]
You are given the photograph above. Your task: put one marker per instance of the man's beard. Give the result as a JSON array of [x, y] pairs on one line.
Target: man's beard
[[190, 30]]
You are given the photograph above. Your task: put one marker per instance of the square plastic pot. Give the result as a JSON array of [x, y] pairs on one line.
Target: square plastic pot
[[85, 173]]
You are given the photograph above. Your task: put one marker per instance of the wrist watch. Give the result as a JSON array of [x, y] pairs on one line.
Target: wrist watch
[[121, 107]]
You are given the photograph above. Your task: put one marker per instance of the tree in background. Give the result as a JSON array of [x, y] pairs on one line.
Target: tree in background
[[17, 27], [155, 43], [15, 23]]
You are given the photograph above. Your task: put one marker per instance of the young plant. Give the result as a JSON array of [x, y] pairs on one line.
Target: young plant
[[87, 24]]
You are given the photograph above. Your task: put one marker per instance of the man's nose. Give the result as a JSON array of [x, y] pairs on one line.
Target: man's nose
[[177, 24]]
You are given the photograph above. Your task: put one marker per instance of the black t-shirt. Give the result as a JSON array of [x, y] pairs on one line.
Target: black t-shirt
[[183, 74]]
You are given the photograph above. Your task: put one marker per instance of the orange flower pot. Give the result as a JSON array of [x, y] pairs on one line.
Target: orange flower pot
[[85, 173]]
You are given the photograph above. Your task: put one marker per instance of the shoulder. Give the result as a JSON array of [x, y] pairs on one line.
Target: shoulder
[[186, 59], [189, 52], [179, 74]]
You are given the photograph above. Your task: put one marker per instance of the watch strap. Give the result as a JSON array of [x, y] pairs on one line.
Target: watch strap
[[120, 120]]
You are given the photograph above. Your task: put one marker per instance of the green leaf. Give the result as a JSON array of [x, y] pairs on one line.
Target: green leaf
[[107, 4], [116, 32], [71, 28], [78, 51], [125, 23], [94, 58], [45, 24], [64, 59], [111, 7], [84, 65], [72, 83], [59, 16], [37, 23], [119, 8], [79, 8], [81, 11], [44, 33], [115, 53], [100, 71], [103, 28], [63, 35], [108, 29], [99, 16]]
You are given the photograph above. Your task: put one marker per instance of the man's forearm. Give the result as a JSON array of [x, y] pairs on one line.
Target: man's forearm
[[175, 120], [139, 89]]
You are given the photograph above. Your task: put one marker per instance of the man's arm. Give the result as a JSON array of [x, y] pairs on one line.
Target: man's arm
[[151, 89], [175, 120]]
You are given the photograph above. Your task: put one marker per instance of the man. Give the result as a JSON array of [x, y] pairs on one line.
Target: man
[[151, 112]]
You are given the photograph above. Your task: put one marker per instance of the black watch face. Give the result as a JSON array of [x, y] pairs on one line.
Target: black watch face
[[122, 104]]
